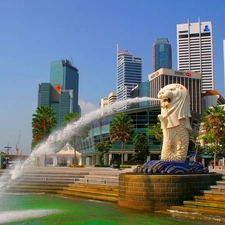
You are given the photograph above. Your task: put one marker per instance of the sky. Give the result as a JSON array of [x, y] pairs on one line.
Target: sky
[[36, 32]]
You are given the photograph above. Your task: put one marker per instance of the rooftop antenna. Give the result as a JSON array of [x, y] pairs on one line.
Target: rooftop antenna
[[72, 61]]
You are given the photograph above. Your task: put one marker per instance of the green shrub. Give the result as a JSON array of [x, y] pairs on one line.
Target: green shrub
[[99, 165], [125, 166], [76, 165]]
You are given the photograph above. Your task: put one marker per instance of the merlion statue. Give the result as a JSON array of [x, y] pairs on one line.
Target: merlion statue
[[175, 122]]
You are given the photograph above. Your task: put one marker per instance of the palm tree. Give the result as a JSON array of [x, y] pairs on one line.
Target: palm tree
[[121, 128], [194, 138], [156, 131], [141, 146], [71, 117], [42, 122], [103, 147], [214, 126]]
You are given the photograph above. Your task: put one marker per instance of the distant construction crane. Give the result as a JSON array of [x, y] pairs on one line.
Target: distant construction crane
[[17, 145]]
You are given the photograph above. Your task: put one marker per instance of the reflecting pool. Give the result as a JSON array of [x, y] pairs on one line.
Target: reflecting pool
[[47, 210]]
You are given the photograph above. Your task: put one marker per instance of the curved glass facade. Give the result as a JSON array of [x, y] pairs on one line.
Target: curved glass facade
[[101, 128]]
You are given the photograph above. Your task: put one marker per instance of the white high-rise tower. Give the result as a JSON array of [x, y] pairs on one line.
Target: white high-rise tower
[[129, 74], [195, 50]]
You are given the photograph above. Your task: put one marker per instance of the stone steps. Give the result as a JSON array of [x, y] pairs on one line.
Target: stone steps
[[211, 197], [98, 192], [41, 180], [212, 204], [99, 184], [208, 206], [35, 187], [49, 179], [194, 213], [99, 179]]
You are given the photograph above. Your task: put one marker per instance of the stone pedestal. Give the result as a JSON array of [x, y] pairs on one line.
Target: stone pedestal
[[159, 192]]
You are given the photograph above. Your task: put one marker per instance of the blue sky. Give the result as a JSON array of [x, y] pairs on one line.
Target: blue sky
[[37, 32]]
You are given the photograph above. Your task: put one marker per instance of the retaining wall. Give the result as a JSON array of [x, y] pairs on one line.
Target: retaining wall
[[159, 192]]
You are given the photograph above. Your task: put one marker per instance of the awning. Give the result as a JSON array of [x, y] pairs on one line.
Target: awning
[[68, 150]]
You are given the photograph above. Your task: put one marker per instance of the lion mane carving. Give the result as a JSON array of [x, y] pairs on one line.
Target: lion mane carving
[[175, 122]]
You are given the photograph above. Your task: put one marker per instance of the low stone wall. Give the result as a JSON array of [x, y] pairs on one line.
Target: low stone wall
[[159, 192]]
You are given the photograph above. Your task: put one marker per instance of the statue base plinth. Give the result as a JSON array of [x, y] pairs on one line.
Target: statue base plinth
[[171, 167]]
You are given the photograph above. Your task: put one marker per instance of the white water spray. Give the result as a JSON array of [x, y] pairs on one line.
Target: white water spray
[[64, 134]]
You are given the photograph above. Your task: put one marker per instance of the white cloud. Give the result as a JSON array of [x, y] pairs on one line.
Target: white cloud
[[86, 107]]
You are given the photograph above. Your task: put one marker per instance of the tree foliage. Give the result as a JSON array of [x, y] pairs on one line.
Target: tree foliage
[[141, 146], [121, 128], [156, 131], [71, 117], [194, 138], [214, 128], [42, 122], [103, 147]]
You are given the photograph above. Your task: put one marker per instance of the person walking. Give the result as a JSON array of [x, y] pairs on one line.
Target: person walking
[[4, 164]]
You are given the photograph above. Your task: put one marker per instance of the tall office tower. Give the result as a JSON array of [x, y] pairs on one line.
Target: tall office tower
[[129, 74], [195, 50], [63, 73], [61, 101], [161, 54], [224, 61]]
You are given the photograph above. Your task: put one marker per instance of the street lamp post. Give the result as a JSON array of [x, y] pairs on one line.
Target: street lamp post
[[7, 149]]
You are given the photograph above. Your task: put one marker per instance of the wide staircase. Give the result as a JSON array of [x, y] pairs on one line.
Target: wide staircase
[[208, 206], [99, 184], [90, 182], [41, 180]]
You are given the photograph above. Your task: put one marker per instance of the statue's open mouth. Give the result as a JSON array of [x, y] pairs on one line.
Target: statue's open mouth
[[167, 100]]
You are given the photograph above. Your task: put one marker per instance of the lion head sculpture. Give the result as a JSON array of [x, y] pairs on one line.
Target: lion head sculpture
[[175, 104], [175, 122]]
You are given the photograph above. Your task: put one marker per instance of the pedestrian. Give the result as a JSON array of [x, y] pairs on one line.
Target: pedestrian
[[4, 164], [111, 162]]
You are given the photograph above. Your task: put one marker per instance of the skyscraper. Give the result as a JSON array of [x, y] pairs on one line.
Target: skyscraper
[[195, 50], [63, 73], [61, 101], [61, 94], [129, 74], [161, 54]]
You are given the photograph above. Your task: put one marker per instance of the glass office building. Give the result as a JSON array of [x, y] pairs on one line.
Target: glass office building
[[129, 74], [161, 54], [141, 90], [100, 128], [61, 101], [63, 73], [61, 94]]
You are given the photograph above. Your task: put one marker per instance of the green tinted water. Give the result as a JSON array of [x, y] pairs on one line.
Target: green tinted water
[[47, 210]]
